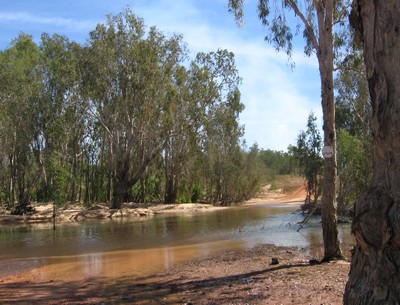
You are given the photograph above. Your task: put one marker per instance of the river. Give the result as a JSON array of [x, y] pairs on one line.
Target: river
[[138, 247]]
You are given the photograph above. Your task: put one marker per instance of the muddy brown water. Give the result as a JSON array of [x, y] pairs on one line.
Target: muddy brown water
[[139, 247]]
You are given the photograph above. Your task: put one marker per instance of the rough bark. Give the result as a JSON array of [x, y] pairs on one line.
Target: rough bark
[[125, 180], [375, 268], [325, 58], [122, 185]]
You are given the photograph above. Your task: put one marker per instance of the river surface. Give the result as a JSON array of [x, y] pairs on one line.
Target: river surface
[[138, 247]]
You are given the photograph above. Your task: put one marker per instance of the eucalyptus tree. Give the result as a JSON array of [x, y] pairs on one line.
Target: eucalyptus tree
[[219, 106], [63, 117], [22, 138], [224, 147], [352, 101], [128, 76], [181, 136], [375, 266], [5, 178], [206, 104], [321, 21], [353, 124], [308, 152], [252, 175]]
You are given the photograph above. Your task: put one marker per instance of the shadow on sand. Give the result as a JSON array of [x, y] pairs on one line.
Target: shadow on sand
[[155, 289]]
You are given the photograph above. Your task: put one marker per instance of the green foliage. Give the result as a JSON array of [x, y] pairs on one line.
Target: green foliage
[[352, 104], [149, 190], [354, 170], [197, 193], [307, 152], [279, 162], [54, 187], [124, 117], [22, 133], [353, 121], [281, 30]]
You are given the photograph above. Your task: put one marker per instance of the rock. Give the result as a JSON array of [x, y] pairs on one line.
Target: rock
[[96, 207], [314, 262], [274, 261]]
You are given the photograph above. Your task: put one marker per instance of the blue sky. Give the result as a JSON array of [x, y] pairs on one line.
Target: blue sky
[[278, 99]]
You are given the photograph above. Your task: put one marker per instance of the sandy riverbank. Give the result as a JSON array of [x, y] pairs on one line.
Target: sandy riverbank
[[292, 192], [72, 213]]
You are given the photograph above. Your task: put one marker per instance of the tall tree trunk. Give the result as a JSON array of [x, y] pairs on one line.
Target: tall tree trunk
[[325, 58], [170, 190], [124, 181], [375, 267], [171, 183], [73, 177], [121, 183], [80, 179], [120, 193], [142, 181], [12, 183], [87, 181]]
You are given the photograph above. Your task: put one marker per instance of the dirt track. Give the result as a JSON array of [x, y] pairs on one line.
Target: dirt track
[[290, 191]]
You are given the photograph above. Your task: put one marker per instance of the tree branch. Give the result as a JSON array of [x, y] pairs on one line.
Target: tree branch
[[308, 26], [350, 69]]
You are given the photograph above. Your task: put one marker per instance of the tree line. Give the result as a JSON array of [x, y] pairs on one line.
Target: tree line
[[127, 116]]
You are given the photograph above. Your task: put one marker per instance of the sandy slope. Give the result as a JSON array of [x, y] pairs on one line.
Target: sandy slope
[[290, 191]]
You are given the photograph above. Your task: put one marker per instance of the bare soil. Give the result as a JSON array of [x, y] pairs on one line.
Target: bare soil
[[231, 277], [288, 190]]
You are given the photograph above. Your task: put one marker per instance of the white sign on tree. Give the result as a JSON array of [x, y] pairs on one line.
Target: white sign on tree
[[327, 152]]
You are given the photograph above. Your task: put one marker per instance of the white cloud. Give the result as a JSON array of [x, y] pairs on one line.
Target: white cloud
[[22, 17]]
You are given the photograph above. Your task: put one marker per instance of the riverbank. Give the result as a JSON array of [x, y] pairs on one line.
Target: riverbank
[[73, 213], [247, 277], [289, 191], [231, 277]]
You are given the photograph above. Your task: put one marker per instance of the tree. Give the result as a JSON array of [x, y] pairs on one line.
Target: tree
[[352, 102], [63, 118], [375, 266], [353, 125], [177, 148], [204, 108], [308, 152], [318, 19], [128, 76], [220, 131], [354, 170], [20, 99]]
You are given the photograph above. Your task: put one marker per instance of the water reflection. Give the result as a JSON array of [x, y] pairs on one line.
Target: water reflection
[[115, 264], [138, 247]]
